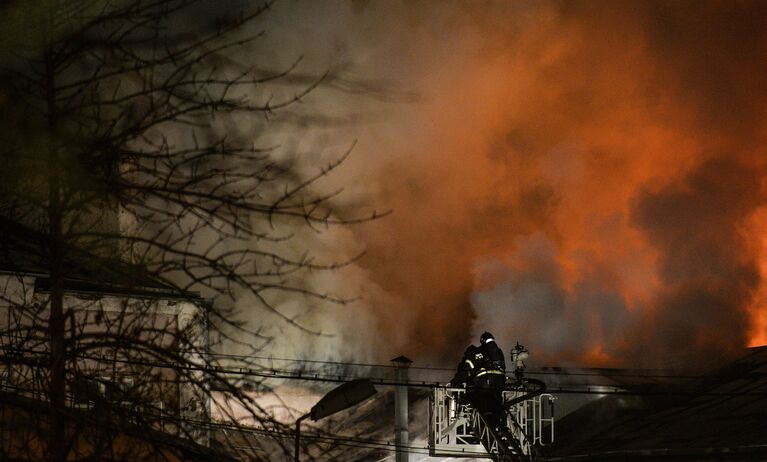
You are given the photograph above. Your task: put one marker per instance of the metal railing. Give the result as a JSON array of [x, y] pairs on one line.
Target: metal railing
[[450, 431], [458, 430], [536, 417]]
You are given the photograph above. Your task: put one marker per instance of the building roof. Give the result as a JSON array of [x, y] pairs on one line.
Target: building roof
[[24, 251], [720, 416]]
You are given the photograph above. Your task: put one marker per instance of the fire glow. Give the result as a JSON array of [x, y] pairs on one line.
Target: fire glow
[[586, 179]]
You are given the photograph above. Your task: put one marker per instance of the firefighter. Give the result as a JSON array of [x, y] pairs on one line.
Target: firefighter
[[490, 379], [464, 375]]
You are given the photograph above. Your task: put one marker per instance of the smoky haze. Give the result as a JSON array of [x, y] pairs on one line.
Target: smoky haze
[[584, 177]]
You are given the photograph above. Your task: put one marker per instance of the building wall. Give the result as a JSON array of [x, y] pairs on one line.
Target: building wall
[[127, 351]]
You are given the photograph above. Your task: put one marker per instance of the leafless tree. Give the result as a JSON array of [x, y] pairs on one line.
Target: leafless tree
[[126, 191]]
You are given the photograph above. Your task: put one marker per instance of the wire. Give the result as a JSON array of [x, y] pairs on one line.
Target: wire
[[316, 361], [368, 443], [545, 370], [590, 389]]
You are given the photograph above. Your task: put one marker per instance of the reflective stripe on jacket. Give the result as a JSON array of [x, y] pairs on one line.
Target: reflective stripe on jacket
[[491, 371]]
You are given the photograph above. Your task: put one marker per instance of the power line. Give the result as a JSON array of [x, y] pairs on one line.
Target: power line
[[545, 370], [582, 389], [564, 388], [316, 361], [373, 444]]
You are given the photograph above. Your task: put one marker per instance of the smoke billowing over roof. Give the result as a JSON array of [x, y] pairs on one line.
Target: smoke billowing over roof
[[586, 178]]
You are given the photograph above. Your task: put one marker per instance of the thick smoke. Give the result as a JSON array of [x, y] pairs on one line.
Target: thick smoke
[[586, 178], [708, 267], [527, 293]]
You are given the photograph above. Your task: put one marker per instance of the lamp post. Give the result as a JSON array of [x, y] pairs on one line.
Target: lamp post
[[342, 397]]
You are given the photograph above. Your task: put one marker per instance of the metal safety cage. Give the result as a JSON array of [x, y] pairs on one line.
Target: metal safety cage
[[457, 430], [536, 418], [450, 429]]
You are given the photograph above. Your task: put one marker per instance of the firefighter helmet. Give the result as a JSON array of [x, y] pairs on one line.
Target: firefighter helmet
[[486, 337]]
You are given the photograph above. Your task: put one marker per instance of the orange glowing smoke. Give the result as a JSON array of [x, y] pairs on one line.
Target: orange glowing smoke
[[757, 333], [586, 178]]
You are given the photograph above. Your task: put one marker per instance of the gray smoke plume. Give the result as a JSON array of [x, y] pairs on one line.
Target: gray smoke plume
[[549, 168]]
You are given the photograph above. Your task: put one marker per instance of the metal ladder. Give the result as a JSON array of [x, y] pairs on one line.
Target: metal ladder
[[502, 444]]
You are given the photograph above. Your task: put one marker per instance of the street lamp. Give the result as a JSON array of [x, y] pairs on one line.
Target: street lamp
[[342, 397]]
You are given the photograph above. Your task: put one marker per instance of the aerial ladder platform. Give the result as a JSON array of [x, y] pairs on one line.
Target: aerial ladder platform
[[457, 429]]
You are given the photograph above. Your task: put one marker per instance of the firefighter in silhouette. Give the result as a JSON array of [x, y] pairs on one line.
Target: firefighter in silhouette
[[489, 380], [464, 375]]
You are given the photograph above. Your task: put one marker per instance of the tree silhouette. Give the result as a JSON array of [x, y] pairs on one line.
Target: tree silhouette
[[134, 211]]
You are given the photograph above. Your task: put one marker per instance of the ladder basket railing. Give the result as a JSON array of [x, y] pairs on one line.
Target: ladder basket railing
[[457, 430]]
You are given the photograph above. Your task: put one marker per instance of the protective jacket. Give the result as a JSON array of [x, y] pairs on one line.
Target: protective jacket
[[490, 380], [492, 362], [467, 368]]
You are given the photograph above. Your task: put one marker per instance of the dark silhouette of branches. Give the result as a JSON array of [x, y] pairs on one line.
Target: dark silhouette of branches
[[131, 219]]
